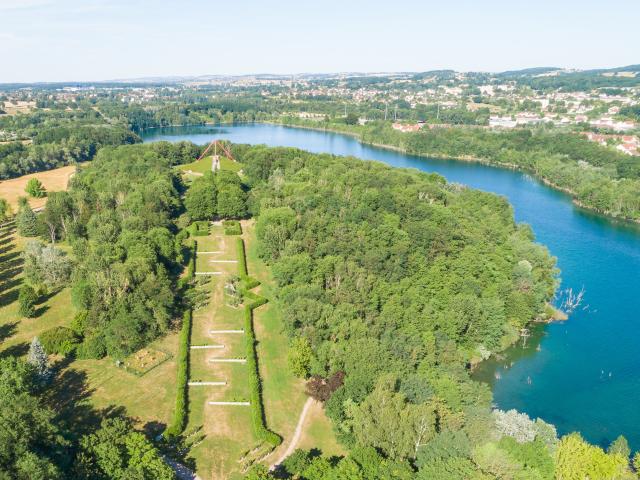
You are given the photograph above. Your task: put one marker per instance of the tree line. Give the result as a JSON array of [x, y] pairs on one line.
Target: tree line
[[391, 283]]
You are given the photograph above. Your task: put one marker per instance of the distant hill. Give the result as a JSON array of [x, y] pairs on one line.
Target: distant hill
[[529, 71]]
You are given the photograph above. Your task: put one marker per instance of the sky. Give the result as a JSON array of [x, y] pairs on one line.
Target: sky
[[90, 40]]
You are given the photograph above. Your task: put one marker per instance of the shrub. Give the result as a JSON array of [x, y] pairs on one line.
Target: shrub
[[199, 229], [79, 323], [299, 357], [27, 299], [35, 188], [232, 227], [92, 347], [180, 413], [60, 340]]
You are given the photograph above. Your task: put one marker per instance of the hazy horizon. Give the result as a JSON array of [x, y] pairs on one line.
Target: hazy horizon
[[99, 40]]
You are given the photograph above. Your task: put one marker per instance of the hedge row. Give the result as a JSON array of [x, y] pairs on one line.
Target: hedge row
[[180, 414], [255, 385], [199, 229], [232, 227], [242, 258], [253, 301], [181, 411]]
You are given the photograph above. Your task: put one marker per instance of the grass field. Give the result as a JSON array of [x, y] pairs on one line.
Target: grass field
[[82, 386], [204, 165], [53, 180], [228, 429]]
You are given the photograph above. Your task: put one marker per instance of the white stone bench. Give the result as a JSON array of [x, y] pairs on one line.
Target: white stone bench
[[207, 384]]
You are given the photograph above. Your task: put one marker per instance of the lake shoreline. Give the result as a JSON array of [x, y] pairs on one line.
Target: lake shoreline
[[471, 159]]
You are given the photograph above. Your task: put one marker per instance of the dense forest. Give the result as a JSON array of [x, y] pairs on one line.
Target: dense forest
[[391, 283], [598, 178], [47, 140]]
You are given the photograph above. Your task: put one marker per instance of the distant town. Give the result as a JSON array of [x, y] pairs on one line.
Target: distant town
[[603, 105]]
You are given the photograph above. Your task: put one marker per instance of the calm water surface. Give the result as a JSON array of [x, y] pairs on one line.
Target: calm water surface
[[582, 374]]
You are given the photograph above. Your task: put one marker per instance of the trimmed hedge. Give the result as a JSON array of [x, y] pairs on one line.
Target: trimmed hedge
[[232, 227], [242, 258], [255, 385], [199, 229], [180, 414], [253, 301]]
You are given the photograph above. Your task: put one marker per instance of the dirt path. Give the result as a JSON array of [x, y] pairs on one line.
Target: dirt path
[[296, 435], [182, 472]]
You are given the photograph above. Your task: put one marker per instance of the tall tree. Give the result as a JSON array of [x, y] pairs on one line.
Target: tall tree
[[118, 452], [39, 360], [200, 199], [26, 220], [32, 446]]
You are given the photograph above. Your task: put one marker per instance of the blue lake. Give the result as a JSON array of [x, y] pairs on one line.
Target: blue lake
[[582, 374]]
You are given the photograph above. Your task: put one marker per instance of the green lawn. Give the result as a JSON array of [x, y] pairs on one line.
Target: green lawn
[[228, 164], [204, 165], [199, 166]]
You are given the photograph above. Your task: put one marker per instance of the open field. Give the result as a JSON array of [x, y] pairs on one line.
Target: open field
[[53, 180], [19, 107], [199, 166]]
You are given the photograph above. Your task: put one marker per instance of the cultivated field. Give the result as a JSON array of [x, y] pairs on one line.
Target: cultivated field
[[53, 180]]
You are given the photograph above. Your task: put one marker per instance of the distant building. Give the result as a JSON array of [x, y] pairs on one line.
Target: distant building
[[502, 122], [406, 128], [608, 122]]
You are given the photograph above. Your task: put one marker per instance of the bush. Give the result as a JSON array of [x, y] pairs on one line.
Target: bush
[[180, 413], [232, 227], [79, 323], [59, 340], [35, 188], [199, 229], [92, 348], [27, 299]]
